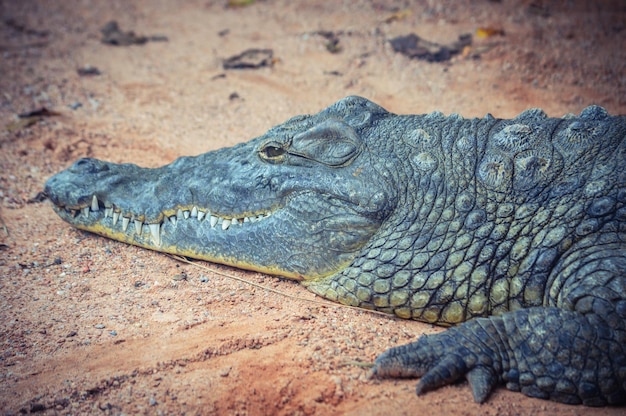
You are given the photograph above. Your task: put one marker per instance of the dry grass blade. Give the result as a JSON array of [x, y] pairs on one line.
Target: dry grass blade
[[278, 292]]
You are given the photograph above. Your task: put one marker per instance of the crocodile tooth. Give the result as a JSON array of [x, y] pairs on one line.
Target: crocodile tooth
[[85, 211], [116, 217], [173, 219], [194, 212], [138, 225], [246, 219], [125, 222], [200, 215], [155, 231], [179, 214], [213, 221], [186, 214], [108, 212], [73, 213], [94, 204], [226, 224]]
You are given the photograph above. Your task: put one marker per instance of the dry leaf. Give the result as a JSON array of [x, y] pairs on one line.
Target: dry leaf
[[399, 15], [487, 32], [240, 3]]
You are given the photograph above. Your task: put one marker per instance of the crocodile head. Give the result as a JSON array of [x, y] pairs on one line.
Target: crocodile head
[[300, 201]]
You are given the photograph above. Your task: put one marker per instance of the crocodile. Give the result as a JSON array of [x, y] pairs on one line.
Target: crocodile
[[512, 232]]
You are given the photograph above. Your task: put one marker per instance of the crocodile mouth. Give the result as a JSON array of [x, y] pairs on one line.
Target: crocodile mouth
[[105, 218], [189, 231]]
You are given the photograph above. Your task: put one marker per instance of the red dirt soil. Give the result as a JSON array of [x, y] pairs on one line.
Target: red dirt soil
[[90, 325]]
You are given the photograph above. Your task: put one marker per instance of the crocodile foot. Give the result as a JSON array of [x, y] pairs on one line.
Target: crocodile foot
[[442, 359], [542, 352]]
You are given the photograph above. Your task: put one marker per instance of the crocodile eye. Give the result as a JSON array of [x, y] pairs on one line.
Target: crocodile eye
[[272, 151]]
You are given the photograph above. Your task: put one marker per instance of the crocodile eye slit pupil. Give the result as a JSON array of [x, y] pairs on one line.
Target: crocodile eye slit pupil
[[273, 151]]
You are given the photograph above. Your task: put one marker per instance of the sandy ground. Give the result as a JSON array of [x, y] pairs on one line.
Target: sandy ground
[[89, 325]]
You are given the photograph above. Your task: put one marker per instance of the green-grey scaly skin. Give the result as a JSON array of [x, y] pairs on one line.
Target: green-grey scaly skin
[[513, 229]]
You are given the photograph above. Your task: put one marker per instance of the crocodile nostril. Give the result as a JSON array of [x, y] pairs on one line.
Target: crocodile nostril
[[82, 162], [89, 165]]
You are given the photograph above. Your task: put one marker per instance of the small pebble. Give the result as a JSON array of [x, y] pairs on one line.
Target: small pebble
[[113, 333], [88, 70], [153, 401], [204, 279], [100, 326], [179, 277]]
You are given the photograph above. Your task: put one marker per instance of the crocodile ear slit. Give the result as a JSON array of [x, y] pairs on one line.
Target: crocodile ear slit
[[332, 143]]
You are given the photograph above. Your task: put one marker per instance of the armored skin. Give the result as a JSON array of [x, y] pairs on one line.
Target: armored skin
[[511, 231]]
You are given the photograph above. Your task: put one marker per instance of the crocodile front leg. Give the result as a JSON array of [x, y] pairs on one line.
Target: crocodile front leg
[[547, 353], [573, 356]]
